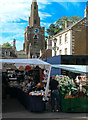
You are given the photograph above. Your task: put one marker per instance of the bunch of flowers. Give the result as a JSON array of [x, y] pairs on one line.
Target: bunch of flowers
[[63, 80], [66, 84]]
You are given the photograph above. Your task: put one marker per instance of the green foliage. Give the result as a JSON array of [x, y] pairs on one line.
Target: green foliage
[[6, 45], [55, 28], [51, 29], [75, 18]]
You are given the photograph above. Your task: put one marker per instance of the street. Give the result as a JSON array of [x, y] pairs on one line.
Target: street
[[13, 109]]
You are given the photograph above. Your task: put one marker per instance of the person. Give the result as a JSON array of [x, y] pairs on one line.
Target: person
[[37, 74], [54, 85]]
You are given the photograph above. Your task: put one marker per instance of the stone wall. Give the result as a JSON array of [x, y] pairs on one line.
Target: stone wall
[[8, 53]]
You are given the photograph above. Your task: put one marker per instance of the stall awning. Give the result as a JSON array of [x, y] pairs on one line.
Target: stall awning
[[24, 61], [73, 68]]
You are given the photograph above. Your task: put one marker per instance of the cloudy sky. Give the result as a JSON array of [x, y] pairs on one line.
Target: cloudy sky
[[14, 15]]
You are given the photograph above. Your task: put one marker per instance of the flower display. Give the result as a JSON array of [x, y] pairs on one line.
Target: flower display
[[69, 89]]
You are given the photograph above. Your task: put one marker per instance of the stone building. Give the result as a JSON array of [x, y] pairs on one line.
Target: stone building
[[73, 40], [34, 34], [8, 53]]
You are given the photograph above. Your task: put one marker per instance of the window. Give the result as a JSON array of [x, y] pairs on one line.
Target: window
[[54, 44], [34, 7], [35, 37], [50, 42], [65, 37], [65, 51], [60, 39], [34, 21], [9, 53], [60, 52], [6, 53]]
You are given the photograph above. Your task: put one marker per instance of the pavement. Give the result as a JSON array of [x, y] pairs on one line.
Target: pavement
[[12, 108]]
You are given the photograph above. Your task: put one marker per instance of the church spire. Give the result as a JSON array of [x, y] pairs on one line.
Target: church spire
[[34, 19]]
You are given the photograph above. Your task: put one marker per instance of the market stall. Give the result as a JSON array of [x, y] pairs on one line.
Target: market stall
[[73, 92], [28, 81]]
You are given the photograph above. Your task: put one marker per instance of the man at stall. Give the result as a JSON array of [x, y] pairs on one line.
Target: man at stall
[[54, 94]]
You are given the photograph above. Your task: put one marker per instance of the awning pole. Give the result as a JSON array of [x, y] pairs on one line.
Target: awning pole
[[47, 86]]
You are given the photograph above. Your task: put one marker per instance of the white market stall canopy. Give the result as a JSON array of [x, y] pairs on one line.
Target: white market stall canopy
[[24, 61], [73, 68]]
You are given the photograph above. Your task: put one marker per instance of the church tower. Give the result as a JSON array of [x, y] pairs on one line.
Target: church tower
[[34, 34]]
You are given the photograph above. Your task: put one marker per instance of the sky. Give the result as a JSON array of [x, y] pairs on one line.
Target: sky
[[14, 15]]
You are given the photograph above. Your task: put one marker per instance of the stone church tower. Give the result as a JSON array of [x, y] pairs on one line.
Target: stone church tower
[[34, 34]]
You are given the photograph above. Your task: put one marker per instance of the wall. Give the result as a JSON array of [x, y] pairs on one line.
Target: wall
[[80, 34], [54, 60]]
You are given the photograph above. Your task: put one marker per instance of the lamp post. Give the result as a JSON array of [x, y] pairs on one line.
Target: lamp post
[[55, 47]]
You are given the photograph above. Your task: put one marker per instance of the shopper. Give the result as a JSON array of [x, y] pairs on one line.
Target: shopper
[[54, 94]]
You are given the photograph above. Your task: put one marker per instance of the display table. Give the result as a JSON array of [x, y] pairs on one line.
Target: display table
[[32, 103], [36, 104]]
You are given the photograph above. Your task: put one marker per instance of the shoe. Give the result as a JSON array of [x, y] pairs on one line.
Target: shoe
[[52, 110], [57, 110]]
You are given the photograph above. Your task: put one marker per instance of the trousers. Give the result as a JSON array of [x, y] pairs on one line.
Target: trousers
[[54, 96]]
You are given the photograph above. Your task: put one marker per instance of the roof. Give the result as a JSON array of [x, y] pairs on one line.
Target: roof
[[69, 28]]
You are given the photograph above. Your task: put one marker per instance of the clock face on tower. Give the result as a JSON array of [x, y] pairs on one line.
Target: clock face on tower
[[36, 30]]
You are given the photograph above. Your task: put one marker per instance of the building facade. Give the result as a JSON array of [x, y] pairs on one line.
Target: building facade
[[49, 42], [73, 40], [34, 34]]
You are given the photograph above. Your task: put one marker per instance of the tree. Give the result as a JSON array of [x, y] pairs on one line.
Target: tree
[[59, 25], [75, 18], [61, 22], [6, 45], [50, 31]]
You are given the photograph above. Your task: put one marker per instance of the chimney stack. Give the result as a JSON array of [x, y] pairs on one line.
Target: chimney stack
[[67, 23], [14, 44]]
